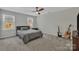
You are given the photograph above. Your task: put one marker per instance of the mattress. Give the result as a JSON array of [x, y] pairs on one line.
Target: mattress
[[28, 35], [27, 31]]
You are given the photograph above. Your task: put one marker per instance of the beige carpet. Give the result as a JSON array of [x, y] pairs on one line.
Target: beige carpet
[[46, 43]]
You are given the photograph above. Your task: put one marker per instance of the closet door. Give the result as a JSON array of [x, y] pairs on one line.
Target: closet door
[[0, 25], [8, 26]]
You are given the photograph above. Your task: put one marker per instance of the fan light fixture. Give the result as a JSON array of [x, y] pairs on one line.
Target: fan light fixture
[[38, 10]]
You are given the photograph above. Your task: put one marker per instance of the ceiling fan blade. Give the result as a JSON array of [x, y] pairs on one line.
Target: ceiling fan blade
[[41, 9], [36, 8], [38, 13]]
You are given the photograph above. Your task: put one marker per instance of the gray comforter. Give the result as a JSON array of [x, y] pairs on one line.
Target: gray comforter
[[28, 35]]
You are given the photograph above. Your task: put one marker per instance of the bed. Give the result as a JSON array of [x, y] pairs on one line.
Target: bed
[[27, 34]]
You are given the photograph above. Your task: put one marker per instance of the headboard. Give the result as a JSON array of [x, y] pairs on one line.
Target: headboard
[[22, 27]]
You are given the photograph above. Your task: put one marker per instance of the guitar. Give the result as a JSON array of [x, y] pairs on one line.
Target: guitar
[[67, 34], [59, 33]]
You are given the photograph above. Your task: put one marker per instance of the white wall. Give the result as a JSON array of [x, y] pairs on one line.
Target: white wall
[[48, 22], [20, 19]]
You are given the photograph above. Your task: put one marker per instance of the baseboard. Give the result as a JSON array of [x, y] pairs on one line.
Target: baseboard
[[7, 37], [49, 34]]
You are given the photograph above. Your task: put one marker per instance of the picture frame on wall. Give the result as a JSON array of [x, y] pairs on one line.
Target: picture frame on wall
[[8, 22], [30, 22]]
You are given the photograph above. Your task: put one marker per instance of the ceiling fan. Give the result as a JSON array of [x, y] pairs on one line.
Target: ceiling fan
[[38, 10]]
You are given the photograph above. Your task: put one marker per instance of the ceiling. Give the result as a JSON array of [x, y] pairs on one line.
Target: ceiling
[[29, 10]]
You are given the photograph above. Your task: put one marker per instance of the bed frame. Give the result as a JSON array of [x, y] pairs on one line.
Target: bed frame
[[28, 37], [19, 27]]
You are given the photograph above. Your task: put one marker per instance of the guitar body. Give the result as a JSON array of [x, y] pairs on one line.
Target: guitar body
[[67, 35]]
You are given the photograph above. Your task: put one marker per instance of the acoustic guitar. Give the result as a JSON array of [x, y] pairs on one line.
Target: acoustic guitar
[[67, 34]]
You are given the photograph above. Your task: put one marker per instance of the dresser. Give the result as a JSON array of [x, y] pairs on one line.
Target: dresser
[[76, 43]]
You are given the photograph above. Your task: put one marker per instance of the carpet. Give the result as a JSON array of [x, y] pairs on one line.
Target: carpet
[[46, 43]]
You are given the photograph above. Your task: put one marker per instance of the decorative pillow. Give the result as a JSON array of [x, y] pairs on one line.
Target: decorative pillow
[[24, 28]]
